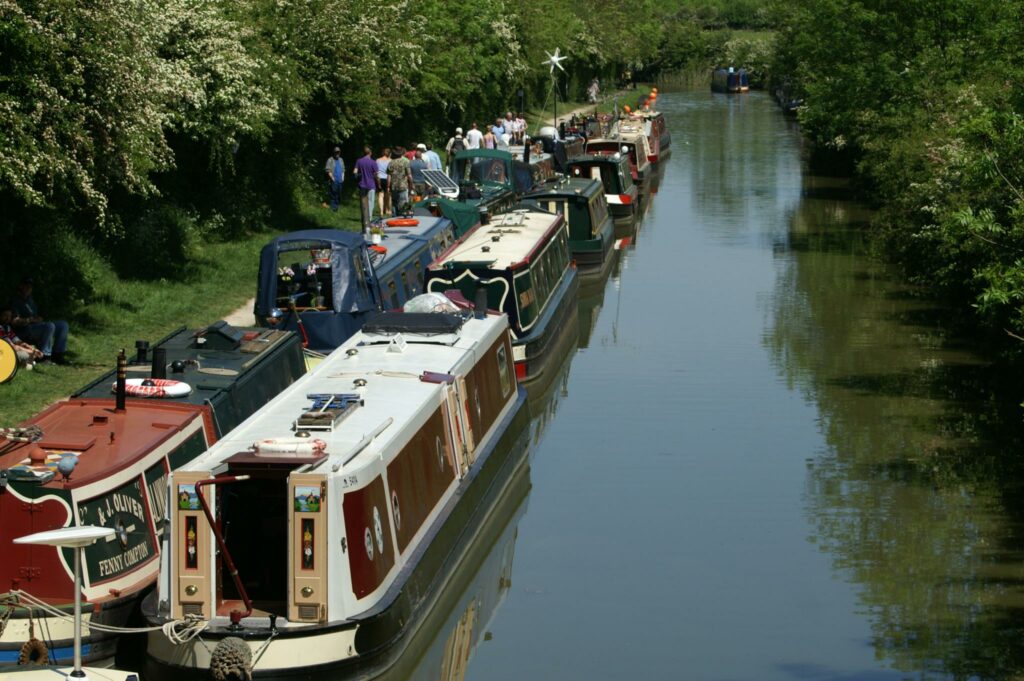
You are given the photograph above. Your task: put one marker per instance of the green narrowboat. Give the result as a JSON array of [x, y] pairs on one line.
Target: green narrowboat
[[522, 260], [591, 229]]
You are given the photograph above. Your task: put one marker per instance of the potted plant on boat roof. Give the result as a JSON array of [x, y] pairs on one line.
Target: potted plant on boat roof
[[376, 234]]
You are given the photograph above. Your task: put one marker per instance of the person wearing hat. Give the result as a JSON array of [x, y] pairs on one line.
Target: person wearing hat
[[51, 337], [455, 144], [335, 169]]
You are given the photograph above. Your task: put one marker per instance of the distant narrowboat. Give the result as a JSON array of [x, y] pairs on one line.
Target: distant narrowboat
[[101, 460], [635, 145], [310, 537], [521, 259], [323, 283], [591, 230], [730, 80], [619, 191]]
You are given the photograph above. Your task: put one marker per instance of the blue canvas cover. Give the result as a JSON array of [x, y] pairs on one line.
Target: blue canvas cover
[[326, 329]]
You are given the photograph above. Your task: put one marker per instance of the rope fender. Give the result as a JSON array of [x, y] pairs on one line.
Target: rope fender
[[33, 651], [231, 659]]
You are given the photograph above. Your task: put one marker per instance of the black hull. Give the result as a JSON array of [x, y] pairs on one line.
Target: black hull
[[540, 345], [409, 600]]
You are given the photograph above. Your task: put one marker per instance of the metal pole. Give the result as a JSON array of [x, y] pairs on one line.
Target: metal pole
[[78, 673]]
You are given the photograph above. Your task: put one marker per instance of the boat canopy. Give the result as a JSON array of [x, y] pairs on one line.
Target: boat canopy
[[339, 250]]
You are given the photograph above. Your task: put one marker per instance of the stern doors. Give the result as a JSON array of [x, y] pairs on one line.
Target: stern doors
[[307, 541], [192, 548]]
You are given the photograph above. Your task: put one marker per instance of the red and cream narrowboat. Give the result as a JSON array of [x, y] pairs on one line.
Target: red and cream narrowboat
[[104, 461], [311, 535]]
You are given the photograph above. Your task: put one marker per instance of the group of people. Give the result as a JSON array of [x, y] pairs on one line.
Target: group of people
[[34, 339], [388, 183], [504, 131]]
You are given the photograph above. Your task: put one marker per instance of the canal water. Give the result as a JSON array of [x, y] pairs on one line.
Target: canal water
[[767, 458]]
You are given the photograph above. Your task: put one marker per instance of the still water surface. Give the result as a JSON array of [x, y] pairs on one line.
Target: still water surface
[[766, 460]]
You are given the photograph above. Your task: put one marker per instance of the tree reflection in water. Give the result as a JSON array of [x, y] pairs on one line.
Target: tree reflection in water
[[916, 497]]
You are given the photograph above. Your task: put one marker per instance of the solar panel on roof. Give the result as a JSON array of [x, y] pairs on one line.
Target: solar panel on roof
[[445, 185]]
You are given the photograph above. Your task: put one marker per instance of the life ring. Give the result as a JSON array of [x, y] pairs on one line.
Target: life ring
[[33, 651], [154, 387], [402, 222], [289, 446]]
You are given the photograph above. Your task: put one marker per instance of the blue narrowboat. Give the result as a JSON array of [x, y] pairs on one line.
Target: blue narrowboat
[[324, 282], [730, 80]]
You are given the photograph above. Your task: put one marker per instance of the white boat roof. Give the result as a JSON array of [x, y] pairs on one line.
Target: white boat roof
[[507, 240], [626, 127], [392, 390]]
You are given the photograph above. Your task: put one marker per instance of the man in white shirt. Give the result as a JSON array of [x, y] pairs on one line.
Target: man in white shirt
[[473, 137]]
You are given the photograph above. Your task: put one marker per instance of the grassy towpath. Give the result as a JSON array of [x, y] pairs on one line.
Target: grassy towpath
[[219, 279]]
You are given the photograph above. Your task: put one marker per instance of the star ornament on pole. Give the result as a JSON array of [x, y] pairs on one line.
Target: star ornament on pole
[[554, 60]]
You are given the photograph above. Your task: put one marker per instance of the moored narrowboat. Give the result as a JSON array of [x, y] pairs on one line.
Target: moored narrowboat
[[591, 230], [521, 259], [620, 192], [730, 80], [233, 370], [635, 146], [658, 135], [103, 460], [316, 531], [323, 283]]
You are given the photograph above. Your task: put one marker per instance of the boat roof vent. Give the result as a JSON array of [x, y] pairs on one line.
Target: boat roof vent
[[327, 411]]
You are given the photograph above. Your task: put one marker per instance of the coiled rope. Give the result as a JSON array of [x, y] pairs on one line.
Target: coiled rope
[[26, 434], [177, 631]]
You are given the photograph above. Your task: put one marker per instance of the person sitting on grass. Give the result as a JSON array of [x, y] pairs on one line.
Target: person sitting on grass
[[26, 353], [51, 337]]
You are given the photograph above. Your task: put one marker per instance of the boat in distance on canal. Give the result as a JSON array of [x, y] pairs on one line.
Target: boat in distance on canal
[[620, 192], [335, 505], [730, 80], [323, 283], [521, 259], [581, 201], [104, 460]]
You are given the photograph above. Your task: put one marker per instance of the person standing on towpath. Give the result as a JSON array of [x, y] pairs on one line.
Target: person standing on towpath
[[335, 169], [366, 169]]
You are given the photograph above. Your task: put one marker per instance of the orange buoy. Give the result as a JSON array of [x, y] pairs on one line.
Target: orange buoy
[[402, 222]]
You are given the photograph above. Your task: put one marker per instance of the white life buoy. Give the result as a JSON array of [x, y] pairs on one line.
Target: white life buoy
[[154, 387], [289, 446]]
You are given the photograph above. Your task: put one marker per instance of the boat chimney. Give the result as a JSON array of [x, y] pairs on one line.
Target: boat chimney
[[526, 150], [159, 369], [122, 378], [141, 351], [480, 303], [485, 216]]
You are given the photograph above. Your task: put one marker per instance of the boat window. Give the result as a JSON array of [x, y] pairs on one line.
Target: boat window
[[405, 286], [598, 212], [392, 296], [503, 372], [417, 277]]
